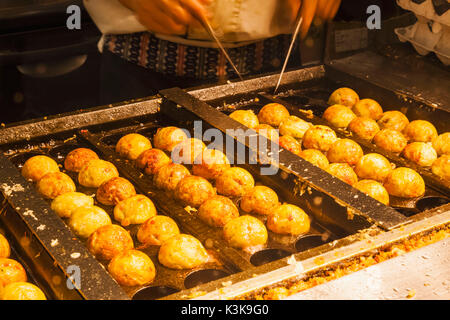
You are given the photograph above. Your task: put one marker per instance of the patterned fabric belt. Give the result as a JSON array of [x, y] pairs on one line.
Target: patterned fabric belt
[[177, 60]]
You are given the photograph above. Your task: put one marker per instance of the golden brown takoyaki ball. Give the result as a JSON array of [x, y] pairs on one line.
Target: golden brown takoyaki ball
[[294, 126], [156, 230], [288, 219], [168, 176], [441, 167], [114, 190], [217, 211], [132, 145], [364, 128], [5, 249], [420, 131], [246, 117], [291, 144], [132, 268], [442, 144], [405, 183], [344, 172], [194, 190], [373, 189], [345, 96], [78, 158], [234, 182], [316, 157], [85, 220], [187, 151], [260, 200], [210, 164], [268, 131], [339, 116], [134, 210], [38, 166], [152, 160], [373, 166], [390, 140], [11, 271], [167, 138], [108, 241], [96, 172], [319, 137], [65, 204], [273, 114], [394, 120], [368, 108], [345, 150], [245, 231], [54, 184], [182, 251], [22, 291], [421, 153]]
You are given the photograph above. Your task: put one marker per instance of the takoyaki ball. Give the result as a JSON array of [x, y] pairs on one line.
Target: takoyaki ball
[[344, 96], [373, 166], [368, 108], [217, 211], [132, 268], [182, 252], [268, 131], [288, 219], [11, 271], [134, 210], [315, 157], [109, 240], [442, 144], [22, 291], [394, 120], [260, 200], [115, 190], [187, 151], [441, 167], [38, 166], [96, 172], [156, 230], [194, 190], [85, 220], [373, 189], [245, 231], [234, 182], [168, 176], [291, 144], [65, 204], [345, 150], [54, 184], [390, 140], [5, 249], [339, 116], [421, 153], [294, 126], [210, 164], [273, 114], [167, 138], [344, 172], [78, 158], [420, 131], [319, 137], [152, 160], [405, 183], [132, 145], [246, 117], [364, 128]]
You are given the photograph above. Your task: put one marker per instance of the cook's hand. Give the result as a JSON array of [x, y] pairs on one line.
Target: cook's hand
[[167, 16]]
